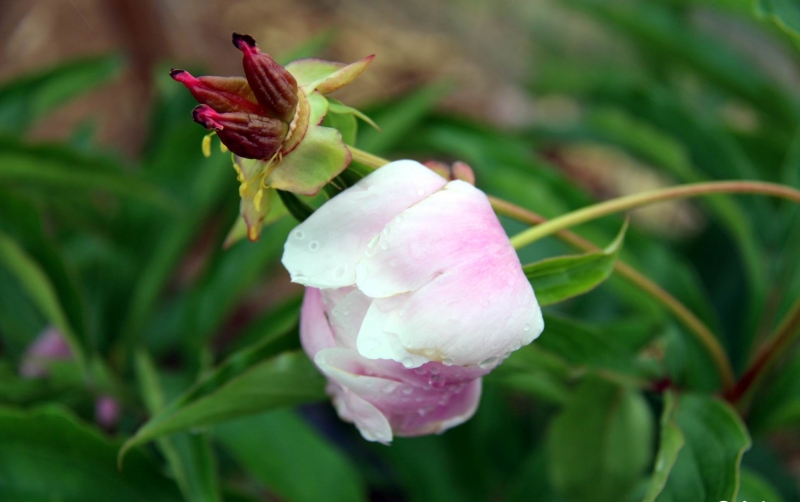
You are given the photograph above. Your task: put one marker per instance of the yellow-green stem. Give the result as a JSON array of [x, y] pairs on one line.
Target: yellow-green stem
[[629, 202]]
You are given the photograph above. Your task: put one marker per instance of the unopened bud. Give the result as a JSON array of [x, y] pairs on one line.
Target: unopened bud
[[224, 94], [274, 87], [245, 134], [458, 171], [462, 171]]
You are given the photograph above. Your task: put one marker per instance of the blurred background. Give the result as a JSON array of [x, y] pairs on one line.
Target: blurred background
[[112, 224]]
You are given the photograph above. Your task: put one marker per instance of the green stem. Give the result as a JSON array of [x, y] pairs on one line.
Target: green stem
[[366, 158], [595, 211]]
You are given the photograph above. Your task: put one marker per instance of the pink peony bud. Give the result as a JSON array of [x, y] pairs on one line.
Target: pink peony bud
[[424, 277], [48, 347]]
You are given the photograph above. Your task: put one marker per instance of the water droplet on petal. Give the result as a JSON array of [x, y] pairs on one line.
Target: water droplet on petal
[[313, 245], [390, 387], [420, 371], [436, 381], [447, 361], [527, 327], [339, 272], [387, 230], [299, 234], [384, 245], [434, 370], [488, 363], [407, 390], [407, 362]]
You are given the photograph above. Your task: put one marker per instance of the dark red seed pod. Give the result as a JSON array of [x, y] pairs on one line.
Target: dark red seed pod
[[224, 94], [245, 134], [273, 86]]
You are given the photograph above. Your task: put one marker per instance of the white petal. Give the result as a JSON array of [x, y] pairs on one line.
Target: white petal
[[371, 423], [474, 314], [324, 250]]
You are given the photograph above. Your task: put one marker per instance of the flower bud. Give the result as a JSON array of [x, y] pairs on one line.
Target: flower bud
[[413, 286], [273, 86], [245, 134], [223, 94], [458, 171]]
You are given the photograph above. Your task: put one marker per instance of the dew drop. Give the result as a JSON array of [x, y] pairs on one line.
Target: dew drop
[[407, 390], [434, 370], [407, 362], [387, 230], [488, 363], [313, 245], [390, 387], [339, 272], [527, 327], [447, 361], [384, 245], [299, 234], [436, 381], [420, 371]]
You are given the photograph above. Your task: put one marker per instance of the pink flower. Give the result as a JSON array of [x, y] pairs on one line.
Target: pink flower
[[48, 347], [421, 295]]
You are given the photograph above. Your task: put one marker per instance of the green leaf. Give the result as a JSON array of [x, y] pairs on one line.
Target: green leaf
[[754, 489], [29, 98], [777, 405], [285, 380], [557, 279], [48, 455], [339, 108], [785, 14], [189, 455], [600, 444], [40, 290], [62, 169], [670, 445], [291, 459], [707, 467], [345, 124], [583, 346]]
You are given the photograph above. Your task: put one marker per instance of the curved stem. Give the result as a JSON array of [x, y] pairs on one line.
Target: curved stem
[[366, 158], [691, 322], [595, 211], [787, 333]]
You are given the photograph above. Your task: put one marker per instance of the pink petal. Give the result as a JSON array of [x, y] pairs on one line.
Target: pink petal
[[372, 424], [315, 332], [324, 250], [414, 402], [455, 225]]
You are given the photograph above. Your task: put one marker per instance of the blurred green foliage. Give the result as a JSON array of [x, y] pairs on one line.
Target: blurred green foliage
[[126, 259]]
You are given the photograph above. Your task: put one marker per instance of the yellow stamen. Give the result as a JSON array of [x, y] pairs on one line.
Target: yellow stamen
[[205, 146], [257, 198]]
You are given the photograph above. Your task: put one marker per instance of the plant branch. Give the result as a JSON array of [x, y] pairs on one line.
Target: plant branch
[[595, 211]]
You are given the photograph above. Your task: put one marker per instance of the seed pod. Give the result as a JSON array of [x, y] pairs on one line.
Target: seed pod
[[224, 94], [273, 86], [245, 134]]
